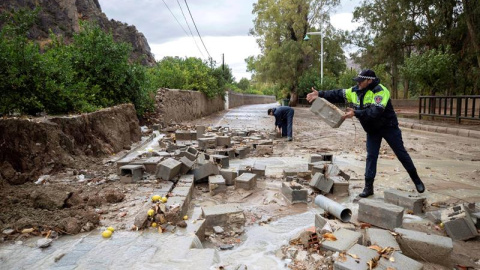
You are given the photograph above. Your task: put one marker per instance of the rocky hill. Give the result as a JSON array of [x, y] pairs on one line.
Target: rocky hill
[[63, 16]]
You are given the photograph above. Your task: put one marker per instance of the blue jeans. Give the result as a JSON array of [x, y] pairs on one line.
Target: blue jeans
[[287, 125], [393, 136]]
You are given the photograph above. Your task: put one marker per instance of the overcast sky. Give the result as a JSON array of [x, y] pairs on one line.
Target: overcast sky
[[223, 25]]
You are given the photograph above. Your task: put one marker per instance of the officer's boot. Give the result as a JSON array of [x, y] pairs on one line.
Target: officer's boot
[[416, 180], [368, 190]]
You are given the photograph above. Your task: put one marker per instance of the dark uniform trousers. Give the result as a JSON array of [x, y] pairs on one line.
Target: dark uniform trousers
[[287, 124], [393, 136]]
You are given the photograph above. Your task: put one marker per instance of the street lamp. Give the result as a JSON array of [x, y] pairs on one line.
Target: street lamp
[[321, 51]]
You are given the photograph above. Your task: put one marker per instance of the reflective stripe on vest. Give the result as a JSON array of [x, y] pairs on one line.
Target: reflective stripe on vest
[[379, 98]]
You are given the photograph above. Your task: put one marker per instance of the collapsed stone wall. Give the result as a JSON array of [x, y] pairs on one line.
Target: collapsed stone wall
[[183, 105], [239, 99], [32, 147]]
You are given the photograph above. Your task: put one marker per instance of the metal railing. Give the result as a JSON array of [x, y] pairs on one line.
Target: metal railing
[[457, 107]]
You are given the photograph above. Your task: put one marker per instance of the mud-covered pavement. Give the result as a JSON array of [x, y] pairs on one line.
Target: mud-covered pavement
[[94, 198]]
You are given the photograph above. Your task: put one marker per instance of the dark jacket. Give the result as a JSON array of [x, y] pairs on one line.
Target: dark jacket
[[373, 115], [281, 114]]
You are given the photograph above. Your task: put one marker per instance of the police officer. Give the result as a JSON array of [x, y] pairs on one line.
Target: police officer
[[283, 120], [370, 102]]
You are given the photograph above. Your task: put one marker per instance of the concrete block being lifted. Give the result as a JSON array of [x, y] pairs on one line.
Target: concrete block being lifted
[[168, 169], [421, 246], [459, 223], [328, 112], [131, 173], [216, 184], [246, 181], [380, 214], [294, 192], [407, 200]]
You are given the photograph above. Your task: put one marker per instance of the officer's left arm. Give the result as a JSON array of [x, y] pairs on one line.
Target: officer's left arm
[[376, 108]]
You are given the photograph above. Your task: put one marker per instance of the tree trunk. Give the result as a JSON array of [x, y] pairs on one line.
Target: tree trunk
[[471, 28], [406, 88], [293, 97]]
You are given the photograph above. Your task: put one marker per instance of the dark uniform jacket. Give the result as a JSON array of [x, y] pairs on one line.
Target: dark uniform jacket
[[372, 105]]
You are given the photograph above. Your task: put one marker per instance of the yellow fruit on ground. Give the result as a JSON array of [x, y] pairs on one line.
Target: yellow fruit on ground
[[164, 199], [106, 234], [150, 212], [111, 229], [185, 217], [154, 224], [156, 198]]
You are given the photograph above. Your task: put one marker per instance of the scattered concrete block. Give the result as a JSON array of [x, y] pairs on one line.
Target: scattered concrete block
[[421, 246], [320, 182], [164, 154], [399, 262], [186, 178], [262, 150], [216, 184], [380, 237], [365, 254], [240, 152], [246, 181], [183, 135], [328, 112], [331, 170], [327, 157], [192, 151], [315, 158], [200, 131], [259, 169], [151, 164], [207, 143], [458, 223], [168, 169], [340, 186], [345, 240], [380, 214], [182, 192], [223, 141], [131, 173], [229, 174], [300, 172], [125, 161], [172, 203], [294, 192], [186, 154], [224, 215], [204, 170], [222, 161], [320, 222], [407, 200], [320, 164], [186, 166], [164, 187]]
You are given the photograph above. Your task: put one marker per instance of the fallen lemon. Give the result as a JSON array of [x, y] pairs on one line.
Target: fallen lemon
[[156, 198], [150, 212], [164, 199], [185, 217], [111, 229], [154, 224], [106, 234]]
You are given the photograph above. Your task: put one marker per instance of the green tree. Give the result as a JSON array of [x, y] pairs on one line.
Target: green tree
[[243, 84], [432, 70], [280, 26]]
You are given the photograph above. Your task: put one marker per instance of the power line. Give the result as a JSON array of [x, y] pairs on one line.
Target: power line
[[197, 29], [189, 28], [175, 17]]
